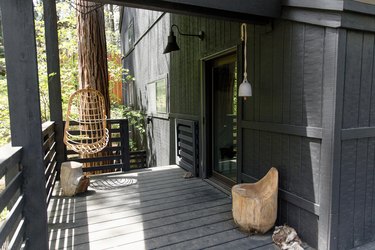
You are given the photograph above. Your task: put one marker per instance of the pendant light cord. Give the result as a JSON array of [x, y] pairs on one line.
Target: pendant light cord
[[244, 38]]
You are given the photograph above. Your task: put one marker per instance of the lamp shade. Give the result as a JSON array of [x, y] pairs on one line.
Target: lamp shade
[[244, 89], [172, 44]]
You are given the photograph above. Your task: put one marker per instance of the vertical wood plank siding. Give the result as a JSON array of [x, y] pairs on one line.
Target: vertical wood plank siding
[[286, 70], [357, 192], [147, 63], [185, 72], [285, 67], [303, 105]]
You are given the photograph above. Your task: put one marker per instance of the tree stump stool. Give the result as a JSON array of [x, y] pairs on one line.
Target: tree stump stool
[[255, 204], [72, 179]]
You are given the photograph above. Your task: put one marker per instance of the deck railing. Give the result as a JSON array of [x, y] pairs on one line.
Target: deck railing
[[49, 158], [12, 222], [116, 156]]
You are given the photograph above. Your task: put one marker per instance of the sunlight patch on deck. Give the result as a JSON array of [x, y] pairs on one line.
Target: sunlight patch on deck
[[149, 208]]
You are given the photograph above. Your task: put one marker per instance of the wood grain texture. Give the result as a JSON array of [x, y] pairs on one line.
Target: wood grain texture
[[356, 193], [366, 80], [53, 71], [347, 194], [266, 75], [369, 223], [313, 71], [311, 16], [24, 107], [92, 50], [239, 11], [360, 192], [277, 76], [301, 86], [352, 78], [334, 54], [287, 51], [254, 206], [161, 209], [356, 217], [282, 122], [297, 80]]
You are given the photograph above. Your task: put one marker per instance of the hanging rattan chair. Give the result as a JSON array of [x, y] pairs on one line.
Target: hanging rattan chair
[[86, 126]]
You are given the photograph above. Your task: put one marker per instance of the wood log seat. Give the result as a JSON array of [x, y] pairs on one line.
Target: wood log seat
[[72, 179], [255, 204]]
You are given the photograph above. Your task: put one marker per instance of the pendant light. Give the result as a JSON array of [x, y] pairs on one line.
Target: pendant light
[[244, 89], [172, 43]]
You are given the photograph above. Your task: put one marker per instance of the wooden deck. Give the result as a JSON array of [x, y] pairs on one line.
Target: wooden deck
[[147, 209]]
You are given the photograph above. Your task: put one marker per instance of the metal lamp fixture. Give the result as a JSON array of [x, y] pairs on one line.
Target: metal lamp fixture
[[244, 90], [172, 43]]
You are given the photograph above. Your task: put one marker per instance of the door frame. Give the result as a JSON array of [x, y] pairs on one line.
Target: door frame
[[205, 128]]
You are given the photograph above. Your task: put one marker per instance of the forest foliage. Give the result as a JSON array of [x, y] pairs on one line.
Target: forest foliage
[[68, 64]]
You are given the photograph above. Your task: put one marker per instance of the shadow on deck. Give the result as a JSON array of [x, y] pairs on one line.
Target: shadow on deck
[[147, 209]]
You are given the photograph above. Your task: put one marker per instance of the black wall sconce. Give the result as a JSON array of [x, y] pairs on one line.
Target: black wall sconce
[[172, 44]]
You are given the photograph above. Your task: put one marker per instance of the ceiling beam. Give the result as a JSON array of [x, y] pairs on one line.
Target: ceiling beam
[[250, 11]]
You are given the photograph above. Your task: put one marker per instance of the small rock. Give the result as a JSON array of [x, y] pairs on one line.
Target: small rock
[[286, 238], [187, 175]]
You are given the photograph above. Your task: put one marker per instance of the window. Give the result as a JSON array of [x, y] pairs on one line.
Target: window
[[130, 93], [161, 96], [129, 38], [157, 93]]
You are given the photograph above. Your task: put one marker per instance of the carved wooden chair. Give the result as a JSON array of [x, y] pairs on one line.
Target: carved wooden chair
[[255, 204]]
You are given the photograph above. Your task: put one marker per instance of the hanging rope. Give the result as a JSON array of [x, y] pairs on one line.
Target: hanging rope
[[244, 39]]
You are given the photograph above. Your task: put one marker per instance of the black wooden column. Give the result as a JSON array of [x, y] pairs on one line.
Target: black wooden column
[[53, 69], [25, 121], [125, 155], [331, 138]]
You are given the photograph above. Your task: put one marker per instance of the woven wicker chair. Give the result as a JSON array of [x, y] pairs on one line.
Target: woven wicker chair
[[86, 126]]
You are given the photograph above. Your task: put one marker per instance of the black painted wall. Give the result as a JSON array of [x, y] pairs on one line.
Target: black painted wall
[[356, 207], [147, 64], [312, 116], [282, 122]]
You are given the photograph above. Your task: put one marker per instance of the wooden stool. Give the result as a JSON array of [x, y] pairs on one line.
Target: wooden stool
[[72, 179], [255, 204]]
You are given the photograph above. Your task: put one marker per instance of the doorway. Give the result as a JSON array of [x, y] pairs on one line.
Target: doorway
[[221, 116]]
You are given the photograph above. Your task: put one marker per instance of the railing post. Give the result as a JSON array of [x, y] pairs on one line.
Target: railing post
[[53, 71], [124, 133], [25, 115]]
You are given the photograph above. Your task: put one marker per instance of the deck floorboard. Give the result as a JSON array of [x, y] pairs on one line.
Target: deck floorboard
[[147, 209]]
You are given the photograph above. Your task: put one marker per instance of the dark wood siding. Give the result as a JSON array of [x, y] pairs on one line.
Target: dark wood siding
[[185, 73], [282, 122], [312, 115], [147, 64], [357, 190]]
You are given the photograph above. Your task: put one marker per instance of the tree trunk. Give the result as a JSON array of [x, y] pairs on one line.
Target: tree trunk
[[92, 56], [92, 49]]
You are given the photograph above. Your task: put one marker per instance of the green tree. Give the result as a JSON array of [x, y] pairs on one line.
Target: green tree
[[68, 47]]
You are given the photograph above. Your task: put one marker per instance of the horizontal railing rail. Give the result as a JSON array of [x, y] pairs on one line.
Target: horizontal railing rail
[[138, 159], [49, 158], [12, 222]]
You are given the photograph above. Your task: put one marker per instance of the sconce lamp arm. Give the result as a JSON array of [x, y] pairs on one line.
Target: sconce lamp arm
[[200, 35]]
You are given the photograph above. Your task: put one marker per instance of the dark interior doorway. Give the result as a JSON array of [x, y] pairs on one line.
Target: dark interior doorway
[[221, 115]]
